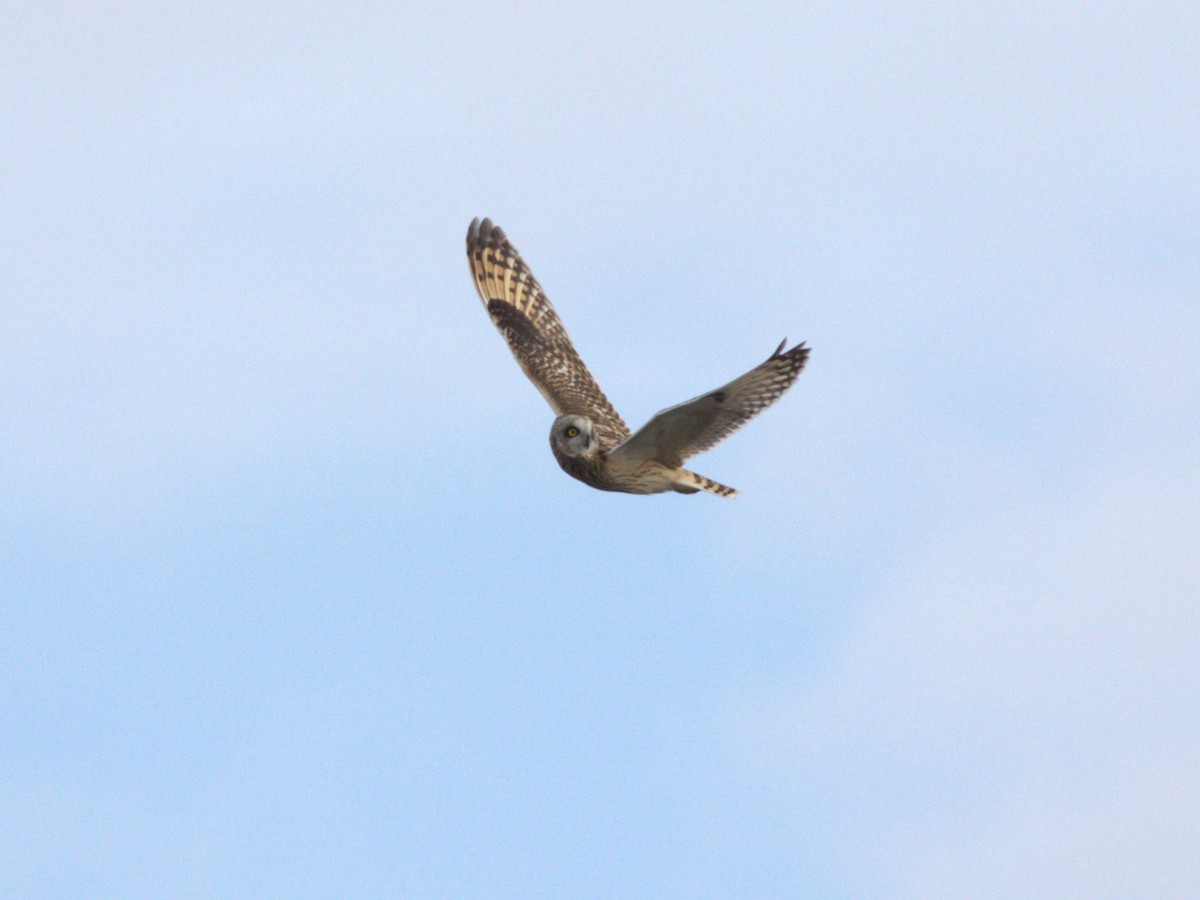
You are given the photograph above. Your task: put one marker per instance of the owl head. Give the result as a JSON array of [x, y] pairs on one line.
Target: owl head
[[573, 436]]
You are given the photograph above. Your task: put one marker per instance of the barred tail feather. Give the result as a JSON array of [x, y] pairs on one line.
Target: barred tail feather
[[691, 483]]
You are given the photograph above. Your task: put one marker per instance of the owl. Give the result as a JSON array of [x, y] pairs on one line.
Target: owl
[[589, 439]]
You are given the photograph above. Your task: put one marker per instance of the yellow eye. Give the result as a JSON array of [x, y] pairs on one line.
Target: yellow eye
[[572, 432]]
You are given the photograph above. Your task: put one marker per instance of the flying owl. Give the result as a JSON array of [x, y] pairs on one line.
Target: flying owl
[[588, 437]]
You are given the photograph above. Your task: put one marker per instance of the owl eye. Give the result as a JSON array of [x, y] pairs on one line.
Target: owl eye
[[572, 432]]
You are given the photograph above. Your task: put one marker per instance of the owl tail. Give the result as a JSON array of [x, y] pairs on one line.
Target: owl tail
[[691, 483]]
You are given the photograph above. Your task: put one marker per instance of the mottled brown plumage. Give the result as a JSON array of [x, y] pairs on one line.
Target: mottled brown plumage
[[523, 314], [588, 438], [679, 432]]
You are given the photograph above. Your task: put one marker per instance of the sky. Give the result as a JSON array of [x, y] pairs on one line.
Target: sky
[[294, 600]]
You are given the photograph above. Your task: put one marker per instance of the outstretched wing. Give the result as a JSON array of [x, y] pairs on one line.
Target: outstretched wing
[[523, 314], [682, 431]]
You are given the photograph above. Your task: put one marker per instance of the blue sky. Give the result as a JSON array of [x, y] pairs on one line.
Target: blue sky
[[297, 603]]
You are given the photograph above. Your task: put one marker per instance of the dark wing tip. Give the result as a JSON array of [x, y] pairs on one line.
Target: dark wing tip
[[792, 361], [800, 351], [483, 232]]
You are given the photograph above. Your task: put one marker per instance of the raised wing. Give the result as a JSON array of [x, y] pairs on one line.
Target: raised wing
[[523, 314], [682, 431]]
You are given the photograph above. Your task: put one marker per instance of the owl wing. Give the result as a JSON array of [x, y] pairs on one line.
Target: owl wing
[[522, 312], [682, 431]]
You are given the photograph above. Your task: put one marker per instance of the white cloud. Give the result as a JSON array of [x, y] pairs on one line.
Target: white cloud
[[1130, 832], [1028, 684]]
